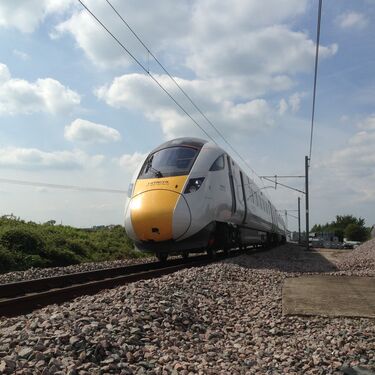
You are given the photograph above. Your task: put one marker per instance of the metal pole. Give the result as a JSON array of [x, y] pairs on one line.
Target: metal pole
[[286, 220], [307, 200], [299, 220]]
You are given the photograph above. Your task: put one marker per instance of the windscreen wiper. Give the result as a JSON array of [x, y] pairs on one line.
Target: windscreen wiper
[[158, 174]]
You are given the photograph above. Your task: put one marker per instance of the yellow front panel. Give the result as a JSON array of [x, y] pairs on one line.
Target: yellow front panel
[[152, 206], [166, 183]]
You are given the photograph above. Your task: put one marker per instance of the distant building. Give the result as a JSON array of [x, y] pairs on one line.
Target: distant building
[[325, 236]]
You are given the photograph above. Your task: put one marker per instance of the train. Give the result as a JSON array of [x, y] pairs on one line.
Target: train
[[189, 195]]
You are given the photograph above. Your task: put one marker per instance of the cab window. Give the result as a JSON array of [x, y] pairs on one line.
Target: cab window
[[218, 164], [172, 161]]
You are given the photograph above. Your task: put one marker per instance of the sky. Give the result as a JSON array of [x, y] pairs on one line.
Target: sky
[[75, 109]]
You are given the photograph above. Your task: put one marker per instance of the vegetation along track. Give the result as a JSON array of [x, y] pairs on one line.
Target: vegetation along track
[[23, 297]]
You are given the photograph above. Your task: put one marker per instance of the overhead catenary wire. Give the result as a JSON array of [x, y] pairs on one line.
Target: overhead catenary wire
[[315, 75], [179, 86], [163, 88], [146, 71], [59, 186]]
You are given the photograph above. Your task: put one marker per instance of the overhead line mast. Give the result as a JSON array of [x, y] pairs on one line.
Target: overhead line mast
[[308, 159]]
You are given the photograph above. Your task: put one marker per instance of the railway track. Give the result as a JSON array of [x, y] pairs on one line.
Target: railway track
[[25, 296]]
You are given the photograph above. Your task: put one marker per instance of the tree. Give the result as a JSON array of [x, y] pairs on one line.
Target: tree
[[50, 222], [343, 221], [356, 232], [345, 226]]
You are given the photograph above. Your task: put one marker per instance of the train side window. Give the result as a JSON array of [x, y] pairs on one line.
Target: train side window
[[218, 164]]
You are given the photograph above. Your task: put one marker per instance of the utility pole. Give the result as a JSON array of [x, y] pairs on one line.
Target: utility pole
[[299, 220], [286, 220], [274, 180], [307, 200]]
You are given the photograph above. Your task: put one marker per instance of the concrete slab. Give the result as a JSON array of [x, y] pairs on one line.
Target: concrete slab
[[326, 295]]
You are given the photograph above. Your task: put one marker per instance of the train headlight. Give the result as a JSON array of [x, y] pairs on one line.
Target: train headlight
[[194, 184]]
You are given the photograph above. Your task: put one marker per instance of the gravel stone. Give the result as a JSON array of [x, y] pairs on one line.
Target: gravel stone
[[361, 258], [39, 273], [225, 318]]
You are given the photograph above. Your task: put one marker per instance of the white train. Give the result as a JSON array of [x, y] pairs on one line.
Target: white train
[[189, 195]]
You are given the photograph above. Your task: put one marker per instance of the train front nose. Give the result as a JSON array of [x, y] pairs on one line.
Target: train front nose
[[159, 215]]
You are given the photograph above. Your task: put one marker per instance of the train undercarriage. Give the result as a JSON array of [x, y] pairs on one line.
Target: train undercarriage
[[215, 237]]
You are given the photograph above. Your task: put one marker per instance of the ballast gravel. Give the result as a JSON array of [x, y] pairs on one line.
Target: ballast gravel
[[39, 273], [361, 258], [224, 318]]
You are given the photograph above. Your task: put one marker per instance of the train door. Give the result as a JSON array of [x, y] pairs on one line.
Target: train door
[[244, 198], [231, 183]]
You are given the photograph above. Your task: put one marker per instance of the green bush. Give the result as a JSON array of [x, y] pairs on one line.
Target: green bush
[[8, 260], [27, 244], [35, 261], [79, 247], [23, 240], [61, 257]]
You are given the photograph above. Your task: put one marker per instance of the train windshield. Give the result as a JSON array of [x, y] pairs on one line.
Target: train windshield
[[171, 161]]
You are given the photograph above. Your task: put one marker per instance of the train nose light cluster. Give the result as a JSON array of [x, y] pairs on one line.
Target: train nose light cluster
[[193, 185]]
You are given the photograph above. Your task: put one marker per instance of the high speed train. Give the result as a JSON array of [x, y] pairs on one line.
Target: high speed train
[[189, 195]]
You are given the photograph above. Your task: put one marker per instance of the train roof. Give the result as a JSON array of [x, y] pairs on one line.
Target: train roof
[[184, 141]]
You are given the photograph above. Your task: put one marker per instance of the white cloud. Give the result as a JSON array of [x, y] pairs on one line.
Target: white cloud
[[354, 163], [230, 39], [138, 92], [294, 101], [4, 73], [271, 50], [238, 51], [22, 55], [283, 106], [130, 161], [352, 19], [32, 158], [43, 95], [368, 123], [87, 131], [154, 26], [27, 15], [215, 17]]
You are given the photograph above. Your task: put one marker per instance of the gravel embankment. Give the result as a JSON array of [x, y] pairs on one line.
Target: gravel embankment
[[361, 258], [221, 319], [38, 273]]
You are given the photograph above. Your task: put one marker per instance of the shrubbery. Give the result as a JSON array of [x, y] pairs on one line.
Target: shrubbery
[[27, 244], [347, 226]]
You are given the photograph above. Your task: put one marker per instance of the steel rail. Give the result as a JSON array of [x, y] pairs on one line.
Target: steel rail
[[25, 296]]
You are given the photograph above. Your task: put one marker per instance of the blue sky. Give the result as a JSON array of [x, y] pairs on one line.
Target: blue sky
[[74, 109]]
